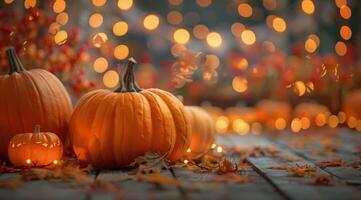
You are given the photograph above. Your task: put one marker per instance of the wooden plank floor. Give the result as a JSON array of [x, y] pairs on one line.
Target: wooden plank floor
[[271, 174]]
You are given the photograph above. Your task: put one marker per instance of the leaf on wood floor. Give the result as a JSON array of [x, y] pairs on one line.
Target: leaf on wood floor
[[322, 179], [6, 169], [330, 163], [149, 163], [157, 179], [231, 178], [11, 183], [302, 171], [281, 167]]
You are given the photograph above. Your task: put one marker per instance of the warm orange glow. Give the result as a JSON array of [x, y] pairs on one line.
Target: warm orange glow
[[120, 28], [333, 121], [175, 2], [62, 18], [29, 4], [54, 28], [59, 6], [100, 65], [174, 17], [219, 149], [125, 4], [99, 39], [245, 10], [99, 3], [341, 48], [279, 24], [270, 4], [345, 12], [310, 45], [186, 161], [358, 126], [214, 39], [248, 37], [55, 162], [340, 3], [308, 6], [212, 61], [28, 161], [189, 150], [351, 122], [60, 37], [121, 52], [213, 146], [204, 3], [242, 64], [151, 22], [269, 20], [237, 29], [111, 79], [96, 20], [8, 1], [181, 36], [296, 125], [222, 124], [300, 88], [345, 32], [305, 123], [320, 119], [280, 124], [239, 84], [240, 127], [200, 31]]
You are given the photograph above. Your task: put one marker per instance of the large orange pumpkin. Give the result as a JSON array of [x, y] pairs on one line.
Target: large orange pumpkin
[[110, 129], [29, 98], [36, 149], [203, 130]]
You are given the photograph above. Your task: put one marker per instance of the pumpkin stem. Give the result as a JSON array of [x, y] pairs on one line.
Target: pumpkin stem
[[14, 61], [37, 129], [128, 81]]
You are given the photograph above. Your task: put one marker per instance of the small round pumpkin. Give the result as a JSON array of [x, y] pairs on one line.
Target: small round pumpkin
[[203, 130], [36, 149], [29, 98], [111, 129]]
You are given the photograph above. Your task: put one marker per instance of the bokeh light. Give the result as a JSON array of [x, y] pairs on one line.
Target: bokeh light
[[237, 28], [61, 37], [204, 3], [345, 12], [120, 28], [341, 48], [214, 39], [345, 32], [111, 79], [96, 20], [121, 52], [174, 17], [181, 36], [125, 4], [59, 6], [279, 24], [99, 3], [308, 6], [200, 31], [151, 22], [100, 65], [248, 37], [239, 84], [245, 10]]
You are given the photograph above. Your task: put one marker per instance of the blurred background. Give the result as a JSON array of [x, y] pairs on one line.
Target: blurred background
[[252, 64]]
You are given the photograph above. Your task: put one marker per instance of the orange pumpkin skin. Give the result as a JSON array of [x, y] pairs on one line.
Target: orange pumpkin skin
[[110, 129], [352, 105], [203, 130], [36, 149], [29, 98]]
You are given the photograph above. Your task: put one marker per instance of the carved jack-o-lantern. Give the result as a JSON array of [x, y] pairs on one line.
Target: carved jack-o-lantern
[[35, 149]]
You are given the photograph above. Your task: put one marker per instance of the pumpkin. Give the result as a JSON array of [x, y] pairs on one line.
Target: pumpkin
[[352, 106], [111, 129], [29, 98], [203, 130], [35, 149]]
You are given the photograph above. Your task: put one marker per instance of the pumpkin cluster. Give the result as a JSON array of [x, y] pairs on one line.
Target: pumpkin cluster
[[29, 98], [107, 129]]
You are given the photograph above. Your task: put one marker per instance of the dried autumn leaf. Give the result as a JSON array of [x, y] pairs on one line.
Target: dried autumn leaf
[[330, 163], [281, 167], [322, 179], [150, 163], [302, 171], [158, 179]]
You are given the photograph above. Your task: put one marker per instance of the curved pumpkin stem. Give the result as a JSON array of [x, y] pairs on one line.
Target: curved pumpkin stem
[[14, 61], [128, 80], [37, 129]]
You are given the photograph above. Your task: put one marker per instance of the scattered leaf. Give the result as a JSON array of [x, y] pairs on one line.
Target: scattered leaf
[[330, 163], [150, 163]]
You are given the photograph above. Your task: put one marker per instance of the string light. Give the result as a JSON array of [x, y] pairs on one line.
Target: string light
[[245, 10], [239, 84], [61, 37], [125, 4], [341, 48], [100, 65], [181, 36], [308, 7], [214, 39], [121, 52], [120, 28], [200, 31], [174, 17], [151, 22], [248, 37], [96, 20], [111, 79]]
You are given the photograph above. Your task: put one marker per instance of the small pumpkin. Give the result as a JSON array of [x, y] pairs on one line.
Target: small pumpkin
[[203, 130], [36, 149], [111, 129], [29, 98]]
